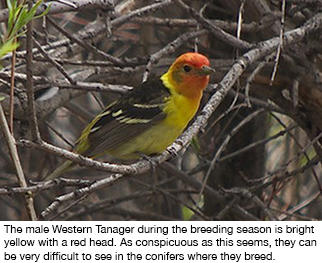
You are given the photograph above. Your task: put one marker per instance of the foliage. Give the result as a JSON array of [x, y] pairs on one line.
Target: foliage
[[19, 16]]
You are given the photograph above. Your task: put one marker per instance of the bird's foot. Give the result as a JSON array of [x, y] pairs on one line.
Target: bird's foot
[[152, 162]]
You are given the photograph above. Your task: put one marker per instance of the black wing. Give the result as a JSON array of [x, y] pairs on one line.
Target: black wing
[[126, 118]]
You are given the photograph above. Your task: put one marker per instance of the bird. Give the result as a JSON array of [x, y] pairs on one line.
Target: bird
[[149, 118]]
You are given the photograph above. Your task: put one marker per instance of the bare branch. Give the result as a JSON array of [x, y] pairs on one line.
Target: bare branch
[[216, 31], [15, 158], [57, 7]]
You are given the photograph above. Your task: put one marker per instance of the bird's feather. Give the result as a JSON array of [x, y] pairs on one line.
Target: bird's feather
[[133, 114]]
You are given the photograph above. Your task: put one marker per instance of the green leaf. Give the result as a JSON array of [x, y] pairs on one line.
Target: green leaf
[[187, 213], [195, 144], [12, 25], [33, 10], [20, 21], [11, 17], [9, 4], [2, 98], [45, 12], [20, 16], [8, 47]]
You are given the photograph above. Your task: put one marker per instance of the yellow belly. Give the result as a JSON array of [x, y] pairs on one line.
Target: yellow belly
[[154, 140], [157, 138]]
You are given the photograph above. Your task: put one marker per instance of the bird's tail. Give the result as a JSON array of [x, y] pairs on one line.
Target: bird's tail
[[60, 170]]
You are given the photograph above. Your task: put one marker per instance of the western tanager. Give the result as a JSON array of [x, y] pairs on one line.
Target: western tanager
[[150, 117]]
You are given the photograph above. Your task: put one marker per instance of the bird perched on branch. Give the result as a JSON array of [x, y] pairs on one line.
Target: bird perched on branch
[[150, 117]]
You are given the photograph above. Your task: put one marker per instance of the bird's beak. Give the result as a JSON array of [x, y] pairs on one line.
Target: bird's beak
[[206, 70]]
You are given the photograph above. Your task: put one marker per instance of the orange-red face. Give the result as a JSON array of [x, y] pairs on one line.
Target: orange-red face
[[190, 73]]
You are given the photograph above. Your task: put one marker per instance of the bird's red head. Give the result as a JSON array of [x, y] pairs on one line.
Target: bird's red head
[[189, 74]]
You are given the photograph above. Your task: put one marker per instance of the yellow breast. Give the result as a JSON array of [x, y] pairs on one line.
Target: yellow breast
[[180, 110], [157, 138]]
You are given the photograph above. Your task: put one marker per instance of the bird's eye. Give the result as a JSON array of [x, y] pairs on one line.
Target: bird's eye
[[186, 68]]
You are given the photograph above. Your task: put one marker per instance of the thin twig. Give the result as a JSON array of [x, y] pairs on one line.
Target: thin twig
[[61, 136], [170, 48], [68, 207], [42, 186], [225, 143], [303, 149], [196, 212], [95, 86], [216, 31], [225, 25], [239, 26], [280, 176], [257, 143], [280, 46], [240, 18], [300, 206], [212, 193], [80, 192], [56, 7], [253, 75], [295, 93], [53, 62], [12, 87], [94, 30], [248, 194], [15, 159], [29, 84], [82, 43]]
